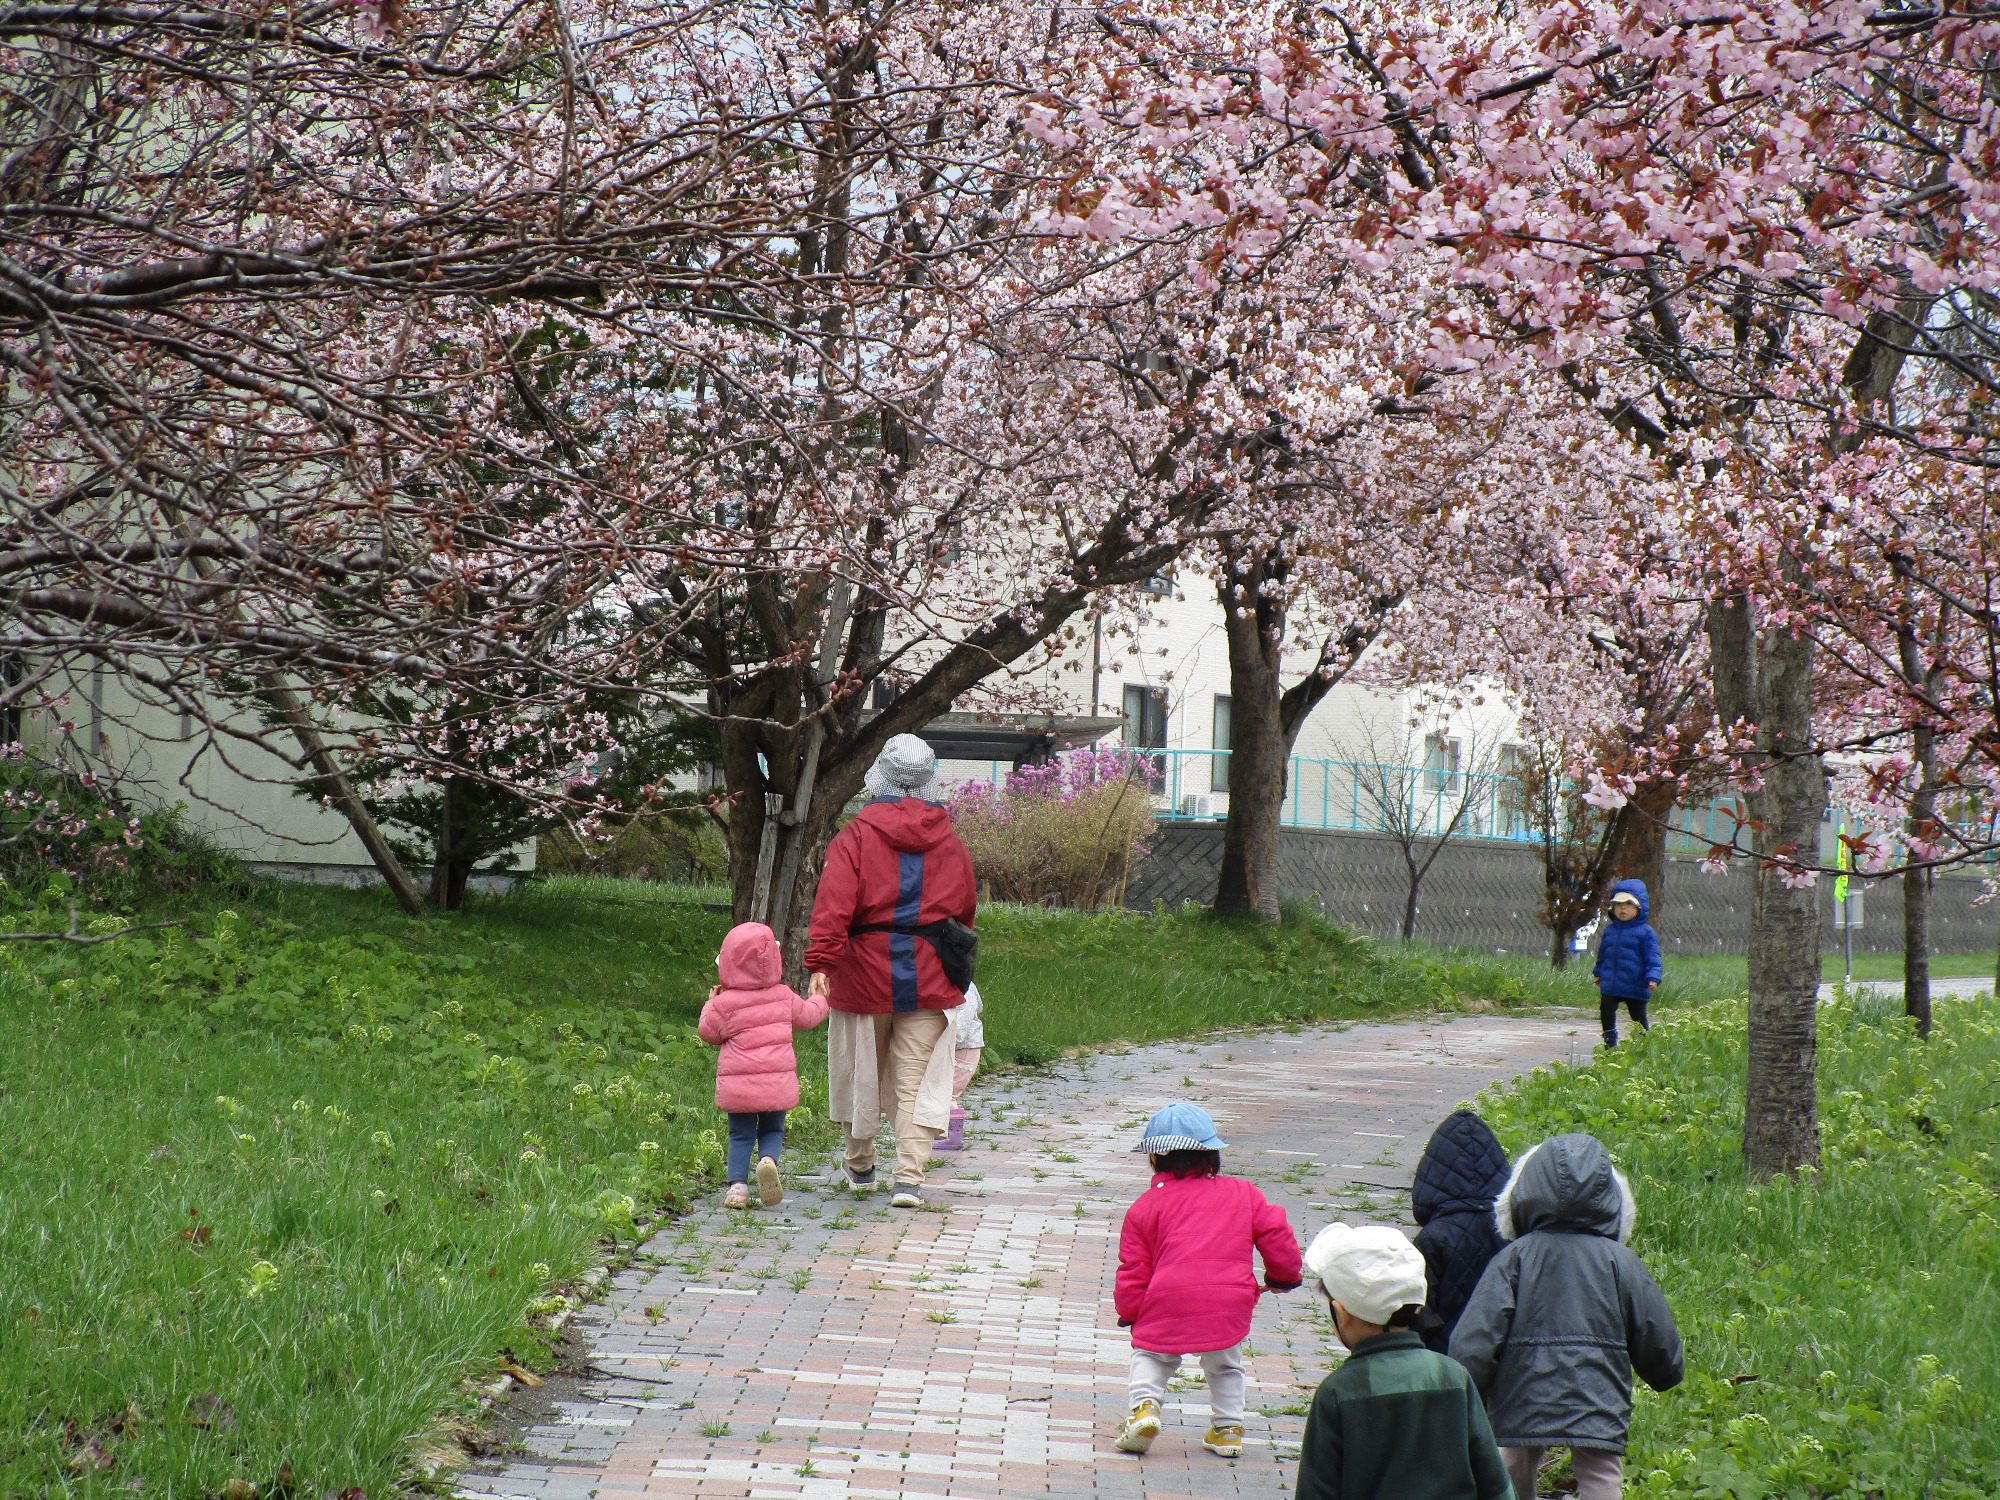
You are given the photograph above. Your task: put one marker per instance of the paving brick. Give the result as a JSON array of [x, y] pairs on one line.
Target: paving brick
[[973, 1352]]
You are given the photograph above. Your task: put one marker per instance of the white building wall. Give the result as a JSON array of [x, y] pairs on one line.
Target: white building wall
[[1180, 647], [236, 793]]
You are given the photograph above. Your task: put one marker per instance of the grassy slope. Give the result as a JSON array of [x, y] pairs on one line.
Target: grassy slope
[[1857, 1318]]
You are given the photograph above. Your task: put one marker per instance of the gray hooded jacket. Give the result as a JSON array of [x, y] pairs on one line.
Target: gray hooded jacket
[[1565, 1313]]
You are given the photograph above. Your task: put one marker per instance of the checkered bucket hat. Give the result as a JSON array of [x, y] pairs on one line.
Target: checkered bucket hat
[[1180, 1127]]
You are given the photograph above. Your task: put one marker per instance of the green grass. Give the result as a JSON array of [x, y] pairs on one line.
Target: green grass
[[294, 1171], [1725, 973], [1840, 1334], [1057, 980], [297, 1169]]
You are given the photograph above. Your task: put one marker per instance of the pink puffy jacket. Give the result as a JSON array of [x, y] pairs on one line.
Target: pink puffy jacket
[[1185, 1282], [751, 1017]]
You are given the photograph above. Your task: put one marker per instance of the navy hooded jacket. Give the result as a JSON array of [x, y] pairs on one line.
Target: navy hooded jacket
[[1628, 955], [1462, 1172]]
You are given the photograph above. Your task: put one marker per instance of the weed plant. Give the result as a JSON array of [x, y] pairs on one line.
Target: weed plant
[[278, 1180], [1841, 1333]]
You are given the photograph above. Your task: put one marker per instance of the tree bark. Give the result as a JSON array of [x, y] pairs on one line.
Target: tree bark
[[1917, 947], [1266, 717], [1769, 682], [1642, 847], [1258, 751], [1917, 879], [284, 701], [452, 868]]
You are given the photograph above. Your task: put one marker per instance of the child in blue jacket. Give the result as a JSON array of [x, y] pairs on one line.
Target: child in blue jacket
[[1628, 960]]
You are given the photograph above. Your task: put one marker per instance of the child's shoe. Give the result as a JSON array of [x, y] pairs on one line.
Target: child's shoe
[[859, 1183], [954, 1138], [1610, 1038], [738, 1195], [1223, 1441], [770, 1191], [1140, 1428]]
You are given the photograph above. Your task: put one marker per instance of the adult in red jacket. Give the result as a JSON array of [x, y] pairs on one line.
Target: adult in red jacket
[[899, 863]]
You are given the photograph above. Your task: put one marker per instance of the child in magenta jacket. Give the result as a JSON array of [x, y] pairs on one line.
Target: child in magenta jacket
[[751, 1015], [1185, 1282]]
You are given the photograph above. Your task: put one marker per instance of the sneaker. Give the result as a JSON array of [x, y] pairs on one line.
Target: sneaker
[[770, 1191], [1224, 1442], [738, 1195], [860, 1183], [1610, 1038], [907, 1195], [1140, 1428]]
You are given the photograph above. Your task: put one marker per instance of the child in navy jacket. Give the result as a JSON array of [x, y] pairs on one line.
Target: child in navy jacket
[[1628, 960]]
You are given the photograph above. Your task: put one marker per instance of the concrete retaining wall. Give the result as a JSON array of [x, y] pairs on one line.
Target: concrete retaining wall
[[1483, 893]]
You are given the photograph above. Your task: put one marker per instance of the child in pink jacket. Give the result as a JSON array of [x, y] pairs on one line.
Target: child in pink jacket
[[1185, 1282], [751, 1015]]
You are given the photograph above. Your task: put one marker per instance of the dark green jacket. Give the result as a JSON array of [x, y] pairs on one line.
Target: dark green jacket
[[1398, 1422]]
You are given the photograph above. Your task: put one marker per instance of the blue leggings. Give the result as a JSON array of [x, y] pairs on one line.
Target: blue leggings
[[763, 1135]]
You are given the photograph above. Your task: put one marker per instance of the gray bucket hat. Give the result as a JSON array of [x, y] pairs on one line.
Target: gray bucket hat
[[905, 768]]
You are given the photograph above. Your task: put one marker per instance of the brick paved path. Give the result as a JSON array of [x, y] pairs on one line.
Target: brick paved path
[[841, 1350]]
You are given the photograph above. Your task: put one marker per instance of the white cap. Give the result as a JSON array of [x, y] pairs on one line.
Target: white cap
[[1371, 1270], [905, 768]]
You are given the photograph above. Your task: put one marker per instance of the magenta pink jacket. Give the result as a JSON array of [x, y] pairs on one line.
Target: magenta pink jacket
[[751, 1016], [1185, 1282]]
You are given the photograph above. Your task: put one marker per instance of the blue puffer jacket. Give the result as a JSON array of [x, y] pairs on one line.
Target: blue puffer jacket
[[1452, 1197], [1628, 955]]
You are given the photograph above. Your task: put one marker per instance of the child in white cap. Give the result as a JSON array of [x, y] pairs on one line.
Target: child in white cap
[[1395, 1418], [1186, 1284]]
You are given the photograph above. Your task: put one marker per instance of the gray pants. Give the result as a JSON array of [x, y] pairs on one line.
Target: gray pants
[[1599, 1475]]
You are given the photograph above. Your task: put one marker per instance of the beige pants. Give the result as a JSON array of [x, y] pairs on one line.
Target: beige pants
[[904, 1042], [1599, 1475]]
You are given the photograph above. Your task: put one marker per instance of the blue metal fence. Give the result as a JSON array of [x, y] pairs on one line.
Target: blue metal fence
[[1194, 787]]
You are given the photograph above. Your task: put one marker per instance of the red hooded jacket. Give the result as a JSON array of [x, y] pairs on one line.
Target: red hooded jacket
[[898, 861]]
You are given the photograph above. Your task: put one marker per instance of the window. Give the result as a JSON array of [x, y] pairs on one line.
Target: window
[[1218, 765], [1511, 813], [1146, 721], [1440, 766]]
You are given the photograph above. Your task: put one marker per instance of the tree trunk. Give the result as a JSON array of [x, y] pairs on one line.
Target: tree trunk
[[285, 702], [1917, 947], [1917, 880], [1642, 846], [1410, 901], [454, 862], [1265, 718], [1559, 949], [1258, 750], [1769, 682]]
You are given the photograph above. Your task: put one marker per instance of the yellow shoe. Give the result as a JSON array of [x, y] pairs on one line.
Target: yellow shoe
[[1224, 1442], [1140, 1428], [770, 1191]]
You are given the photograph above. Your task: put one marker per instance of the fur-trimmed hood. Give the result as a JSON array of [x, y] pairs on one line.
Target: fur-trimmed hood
[[1566, 1184]]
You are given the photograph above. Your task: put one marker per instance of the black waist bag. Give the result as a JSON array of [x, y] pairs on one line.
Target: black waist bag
[[957, 945]]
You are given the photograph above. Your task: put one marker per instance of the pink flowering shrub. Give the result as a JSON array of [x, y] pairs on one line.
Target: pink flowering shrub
[[1064, 834]]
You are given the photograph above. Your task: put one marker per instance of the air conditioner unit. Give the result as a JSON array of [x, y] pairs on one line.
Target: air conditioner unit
[[1197, 805]]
